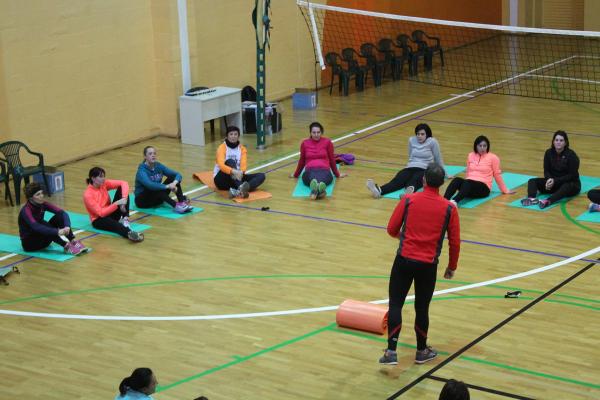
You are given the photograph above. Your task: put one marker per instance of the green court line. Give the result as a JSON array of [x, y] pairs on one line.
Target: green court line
[[563, 209], [244, 358], [474, 359], [229, 278]]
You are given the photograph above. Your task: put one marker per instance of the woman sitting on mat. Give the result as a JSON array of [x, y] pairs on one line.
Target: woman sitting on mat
[[104, 214], [594, 196], [230, 168], [151, 191], [561, 174], [422, 150], [482, 166], [318, 162], [36, 233], [139, 386]]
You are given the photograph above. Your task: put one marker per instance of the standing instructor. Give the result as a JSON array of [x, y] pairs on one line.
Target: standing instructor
[[420, 221]]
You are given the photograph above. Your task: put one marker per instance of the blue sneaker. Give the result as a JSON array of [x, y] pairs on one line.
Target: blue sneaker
[[389, 357], [427, 354]]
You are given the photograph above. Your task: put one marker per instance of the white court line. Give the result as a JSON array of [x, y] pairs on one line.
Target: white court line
[[290, 312], [564, 78]]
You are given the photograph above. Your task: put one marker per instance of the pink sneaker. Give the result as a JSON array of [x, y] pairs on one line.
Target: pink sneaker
[[183, 207], [72, 249], [80, 246]]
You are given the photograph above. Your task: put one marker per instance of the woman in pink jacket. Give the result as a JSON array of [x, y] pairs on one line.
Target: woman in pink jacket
[[317, 161], [107, 215], [482, 166]]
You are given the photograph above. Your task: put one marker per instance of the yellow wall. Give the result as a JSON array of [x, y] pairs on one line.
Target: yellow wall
[[591, 17], [78, 77]]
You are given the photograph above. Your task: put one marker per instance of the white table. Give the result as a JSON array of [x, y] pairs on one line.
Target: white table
[[210, 104]]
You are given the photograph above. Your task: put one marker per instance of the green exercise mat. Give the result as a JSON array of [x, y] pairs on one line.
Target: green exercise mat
[[587, 184], [82, 221], [12, 244], [301, 190], [512, 182]]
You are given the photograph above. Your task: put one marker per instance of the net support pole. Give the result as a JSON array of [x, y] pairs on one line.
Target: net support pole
[[315, 34], [261, 37], [184, 47]]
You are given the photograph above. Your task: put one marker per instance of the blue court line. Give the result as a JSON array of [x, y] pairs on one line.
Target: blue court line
[[512, 128], [339, 221]]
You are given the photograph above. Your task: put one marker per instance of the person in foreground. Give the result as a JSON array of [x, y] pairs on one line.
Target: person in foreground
[[107, 215], [230, 167], [37, 234], [561, 174], [455, 390], [423, 149], [317, 161], [420, 221], [138, 386], [482, 166], [151, 191]]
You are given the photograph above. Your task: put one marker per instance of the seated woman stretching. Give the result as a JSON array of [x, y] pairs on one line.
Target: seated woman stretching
[[138, 386], [482, 166], [594, 196], [230, 167], [104, 214], [36, 233], [422, 150], [318, 162], [151, 191], [561, 174]]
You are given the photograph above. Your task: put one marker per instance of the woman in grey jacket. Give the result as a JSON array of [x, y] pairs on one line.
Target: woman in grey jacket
[[422, 150]]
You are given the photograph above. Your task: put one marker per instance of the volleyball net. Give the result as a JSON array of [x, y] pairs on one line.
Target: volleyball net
[[542, 63]]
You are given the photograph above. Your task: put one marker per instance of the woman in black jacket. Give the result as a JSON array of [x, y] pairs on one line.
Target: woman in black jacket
[[561, 174]]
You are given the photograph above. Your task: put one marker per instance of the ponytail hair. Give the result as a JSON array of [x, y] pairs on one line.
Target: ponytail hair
[[94, 173], [139, 379]]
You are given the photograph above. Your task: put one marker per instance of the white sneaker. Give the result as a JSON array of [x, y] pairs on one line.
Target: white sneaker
[[125, 222], [375, 190]]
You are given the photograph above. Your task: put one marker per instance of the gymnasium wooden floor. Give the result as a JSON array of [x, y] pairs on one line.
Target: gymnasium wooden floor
[[236, 259]]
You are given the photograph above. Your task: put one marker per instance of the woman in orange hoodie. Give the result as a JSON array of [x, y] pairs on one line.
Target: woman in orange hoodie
[[112, 216], [482, 166]]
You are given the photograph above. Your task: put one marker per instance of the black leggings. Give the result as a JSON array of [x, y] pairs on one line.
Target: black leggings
[[224, 181], [559, 191], [111, 222], [320, 174], [154, 198], [407, 177], [466, 188], [404, 272], [594, 196], [37, 241]]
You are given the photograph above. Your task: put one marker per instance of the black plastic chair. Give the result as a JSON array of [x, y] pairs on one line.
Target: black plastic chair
[[10, 150], [369, 51], [425, 44], [351, 58], [396, 61], [411, 54], [4, 178], [333, 60]]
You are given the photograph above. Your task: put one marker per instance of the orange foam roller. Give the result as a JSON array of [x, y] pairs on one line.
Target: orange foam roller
[[362, 316]]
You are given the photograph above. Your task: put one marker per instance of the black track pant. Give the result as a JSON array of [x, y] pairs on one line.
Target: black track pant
[[37, 241], [567, 189], [405, 178], [594, 196], [320, 174], [466, 188], [153, 198], [404, 272], [226, 182], [111, 222]]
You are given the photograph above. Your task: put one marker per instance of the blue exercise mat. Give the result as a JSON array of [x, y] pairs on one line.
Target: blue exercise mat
[[451, 170], [82, 221], [12, 244], [512, 182], [301, 190], [164, 210], [589, 217], [587, 184]]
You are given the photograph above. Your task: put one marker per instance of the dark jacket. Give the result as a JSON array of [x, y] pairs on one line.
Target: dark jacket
[[563, 167], [31, 219]]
